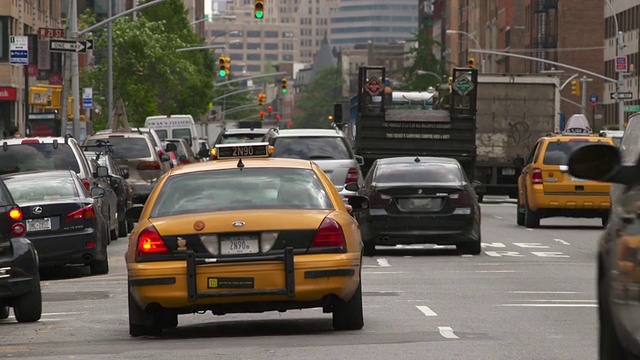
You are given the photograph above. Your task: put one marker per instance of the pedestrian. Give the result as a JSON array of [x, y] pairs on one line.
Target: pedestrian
[[14, 132]]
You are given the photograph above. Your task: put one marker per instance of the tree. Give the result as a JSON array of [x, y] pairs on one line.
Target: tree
[[318, 98], [422, 58]]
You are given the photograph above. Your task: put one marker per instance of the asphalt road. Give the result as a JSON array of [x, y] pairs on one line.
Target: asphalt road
[[529, 295]]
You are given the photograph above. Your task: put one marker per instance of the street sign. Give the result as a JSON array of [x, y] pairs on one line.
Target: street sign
[[622, 96], [51, 33], [88, 43], [19, 50], [463, 85], [632, 108], [87, 98], [374, 86], [68, 46], [593, 99], [621, 63]]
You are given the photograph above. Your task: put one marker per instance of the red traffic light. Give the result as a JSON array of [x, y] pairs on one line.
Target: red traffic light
[[290, 123], [277, 117], [261, 113], [269, 108]]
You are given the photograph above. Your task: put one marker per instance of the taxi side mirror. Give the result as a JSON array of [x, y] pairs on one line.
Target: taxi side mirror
[[478, 187], [359, 202], [125, 173], [203, 153], [132, 214], [600, 162]]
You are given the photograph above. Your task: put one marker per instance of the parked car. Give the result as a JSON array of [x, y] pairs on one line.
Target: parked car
[[327, 148], [110, 199], [19, 268], [118, 181], [151, 133], [183, 151], [61, 218], [135, 152], [420, 200], [618, 270]]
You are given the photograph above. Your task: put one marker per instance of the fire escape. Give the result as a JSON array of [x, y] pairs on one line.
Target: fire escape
[[544, 24]]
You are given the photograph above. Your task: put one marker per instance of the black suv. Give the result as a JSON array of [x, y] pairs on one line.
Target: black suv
[[19, 277], [619, 246]]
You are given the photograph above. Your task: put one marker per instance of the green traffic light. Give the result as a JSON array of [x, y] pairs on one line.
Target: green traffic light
[[284, 91], [223, 73], [259, 14]]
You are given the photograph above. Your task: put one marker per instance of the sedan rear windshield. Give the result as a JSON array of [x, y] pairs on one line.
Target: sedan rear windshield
[[127, 147], [29, 157], [235, 189], [311, 148], [41, 189], [558, 151], [418, 173]]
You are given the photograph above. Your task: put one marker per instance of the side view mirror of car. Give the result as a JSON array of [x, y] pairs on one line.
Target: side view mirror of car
[[358, 202], [101, 171], [97, 193], [132, 214], [170, 147], [125, 173], [600, 162], [182, 158], [203, 153], [352, 187], [115, 181], [165, 158], [360, 160], [519, 162]]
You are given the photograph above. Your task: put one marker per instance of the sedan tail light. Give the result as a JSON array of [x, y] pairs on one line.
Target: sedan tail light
[[536, 176], [150, 243], [86, 184], [329, 235], [15, 214], [81, 214], [149, 165], [462, 199], [378, 201], [18, 229], [352, 176]]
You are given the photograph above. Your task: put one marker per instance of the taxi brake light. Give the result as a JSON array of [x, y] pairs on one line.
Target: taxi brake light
[[329, 235], [15, 214], [30, 141], [151, 243], [536, 176]]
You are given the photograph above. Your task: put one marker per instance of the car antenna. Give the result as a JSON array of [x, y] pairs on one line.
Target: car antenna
[[417, 159], [240, 164]]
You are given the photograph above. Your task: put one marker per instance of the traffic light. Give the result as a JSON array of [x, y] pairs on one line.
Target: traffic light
[[330, 117], [269, 109], [227, 65], [277, 117], [575, 87], [284, 85], [258, 9], [471, 63], [290, 123], [261, 115], [262, 99], [222, 66], [337, 113]]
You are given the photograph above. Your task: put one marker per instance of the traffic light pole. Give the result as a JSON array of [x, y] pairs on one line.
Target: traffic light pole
[[584, 81]]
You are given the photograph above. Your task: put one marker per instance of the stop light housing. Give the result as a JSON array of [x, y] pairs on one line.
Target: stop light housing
[[222, 66], [262, 99], [575, 87], [258, 9], [261, 115], [337, 113], [284, 85], [471, 63], [227, 65]]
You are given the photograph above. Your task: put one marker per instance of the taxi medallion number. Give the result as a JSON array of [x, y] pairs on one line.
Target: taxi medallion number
[[38, 224], [235, 245]]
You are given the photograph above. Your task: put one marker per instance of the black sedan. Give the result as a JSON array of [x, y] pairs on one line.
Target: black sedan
[[62, 219], [419, 200], [19, 276]]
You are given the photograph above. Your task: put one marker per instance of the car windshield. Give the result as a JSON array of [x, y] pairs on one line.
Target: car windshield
[[41, 189], [234, 189], [29, 157], [422, 172], [127, 147], [182, 134], [311, 148], [162, 134], [558, 151], [240, 138]]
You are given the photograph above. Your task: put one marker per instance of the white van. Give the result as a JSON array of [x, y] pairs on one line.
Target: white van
[[174, 126]]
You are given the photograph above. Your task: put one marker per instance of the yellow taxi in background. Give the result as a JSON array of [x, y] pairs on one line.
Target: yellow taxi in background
[[545, 187], [242, 234]]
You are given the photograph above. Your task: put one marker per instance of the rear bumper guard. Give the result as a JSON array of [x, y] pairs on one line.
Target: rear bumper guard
[[286, 258]]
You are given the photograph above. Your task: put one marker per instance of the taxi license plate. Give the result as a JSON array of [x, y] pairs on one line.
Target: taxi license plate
[[577, 179], [38, 224], [234, 245]]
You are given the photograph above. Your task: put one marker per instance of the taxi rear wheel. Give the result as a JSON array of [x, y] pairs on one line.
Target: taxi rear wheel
[[519, 213], [605, 221], [347, 315], [137, 313], [531, 218]]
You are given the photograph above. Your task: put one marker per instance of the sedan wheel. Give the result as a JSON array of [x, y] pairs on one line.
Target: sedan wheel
[[28, 307]]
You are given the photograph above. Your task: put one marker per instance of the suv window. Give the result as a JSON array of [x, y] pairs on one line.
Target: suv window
[[127, 147], [557, 152], [311, 148], [27, 157]]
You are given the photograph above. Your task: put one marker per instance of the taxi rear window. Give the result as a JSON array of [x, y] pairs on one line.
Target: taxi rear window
[[558, 152], [234, 189]]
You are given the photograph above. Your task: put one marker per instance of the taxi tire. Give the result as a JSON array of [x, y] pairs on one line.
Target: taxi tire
[[347, 315], [28, 307], [4, 312], [369, 248], [519, 214], [136, 312], [605, 221], [531, 218]]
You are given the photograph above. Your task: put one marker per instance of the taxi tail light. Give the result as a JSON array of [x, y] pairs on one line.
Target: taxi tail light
[[329, 235], [150, 243], [85, 213], [536, 176], [149, 165], [352, 176], [377, 200], [86, 184]]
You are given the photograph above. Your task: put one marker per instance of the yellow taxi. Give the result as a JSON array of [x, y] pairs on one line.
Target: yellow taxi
[[545, 187], [244, 233]]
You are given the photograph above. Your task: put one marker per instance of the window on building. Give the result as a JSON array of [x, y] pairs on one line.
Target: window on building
[[253, 57], [4, 38], [271, 34], [253, 68], [253, 46], [236, 46], [287, 57], [236, 56], [254, 34], [273, 57], [271, 46]]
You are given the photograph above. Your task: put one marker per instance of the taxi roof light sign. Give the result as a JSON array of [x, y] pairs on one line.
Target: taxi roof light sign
[[245, 150], [577, 124]]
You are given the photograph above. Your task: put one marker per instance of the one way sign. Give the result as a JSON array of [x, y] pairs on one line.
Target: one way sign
[[70, 46]]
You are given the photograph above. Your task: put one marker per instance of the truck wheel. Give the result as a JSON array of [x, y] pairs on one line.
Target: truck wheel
[[531, 218], [347, 315], [28, 307], [519, 213]]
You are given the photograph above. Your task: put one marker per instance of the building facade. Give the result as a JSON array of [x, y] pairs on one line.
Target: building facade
[[24, 18]]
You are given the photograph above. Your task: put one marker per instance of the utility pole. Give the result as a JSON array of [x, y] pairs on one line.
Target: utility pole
[[109, 66], [620, 84], [584, 81], [75, 72]]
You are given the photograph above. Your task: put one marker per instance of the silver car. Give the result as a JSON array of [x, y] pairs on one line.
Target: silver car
[[328, 148]]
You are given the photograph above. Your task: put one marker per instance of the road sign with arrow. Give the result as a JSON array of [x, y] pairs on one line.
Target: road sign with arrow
[[70, 46]]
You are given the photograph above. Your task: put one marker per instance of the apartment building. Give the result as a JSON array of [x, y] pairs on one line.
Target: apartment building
[[24, 18]]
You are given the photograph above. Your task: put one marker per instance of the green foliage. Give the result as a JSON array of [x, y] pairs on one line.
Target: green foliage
[[148, 73], [423, 59], [318, 97]]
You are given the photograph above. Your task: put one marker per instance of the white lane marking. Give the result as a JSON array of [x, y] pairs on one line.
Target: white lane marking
[[426, 311], [531, 245], [555, 254], [561, 241], [495, 271], [466, 255], [447, 332], [543, 292], [498, 217], [529, 229], [503, 253], [382, 272], [383, 263], [496, 245], [560, 301], [549, 305], [370, 266]]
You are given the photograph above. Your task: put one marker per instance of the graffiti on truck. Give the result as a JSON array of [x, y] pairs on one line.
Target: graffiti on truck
[[520, 135]]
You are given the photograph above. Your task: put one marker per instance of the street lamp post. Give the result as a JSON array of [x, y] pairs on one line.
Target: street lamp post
[[619, 52], [449, 32]]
